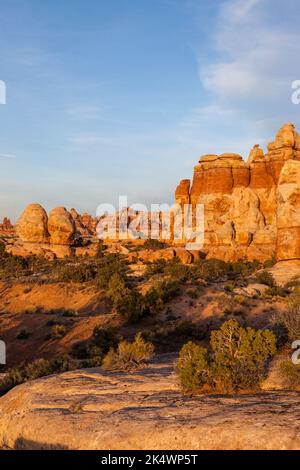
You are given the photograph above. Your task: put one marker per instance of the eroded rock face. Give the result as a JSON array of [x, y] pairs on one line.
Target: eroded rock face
[[61, 227], [288, 212], [251, 209], [32, 226]]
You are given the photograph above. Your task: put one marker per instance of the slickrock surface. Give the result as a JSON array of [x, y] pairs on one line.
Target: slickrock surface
[[143, 410]]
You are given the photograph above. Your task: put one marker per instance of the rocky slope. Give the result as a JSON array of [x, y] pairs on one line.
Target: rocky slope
[[91, 409]]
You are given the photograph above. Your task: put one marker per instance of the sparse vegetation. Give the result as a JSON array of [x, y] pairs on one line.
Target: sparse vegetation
[[290, 374], [289, 320], [35, 370], [129, 355], [264, 277]]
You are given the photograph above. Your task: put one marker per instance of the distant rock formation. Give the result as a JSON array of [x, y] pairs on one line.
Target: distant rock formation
[[6, 228], [85, 224]]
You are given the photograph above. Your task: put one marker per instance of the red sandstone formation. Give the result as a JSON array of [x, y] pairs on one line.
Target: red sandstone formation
[[245, 209]]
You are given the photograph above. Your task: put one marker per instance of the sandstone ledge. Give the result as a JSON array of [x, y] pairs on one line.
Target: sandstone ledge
[[90, 409]]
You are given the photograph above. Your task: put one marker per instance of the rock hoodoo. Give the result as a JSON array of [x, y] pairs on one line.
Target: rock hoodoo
[[32, 226], [61, 227], [6, 227]]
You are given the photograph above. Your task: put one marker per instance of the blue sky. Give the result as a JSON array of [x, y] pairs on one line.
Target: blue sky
[[110, 97]]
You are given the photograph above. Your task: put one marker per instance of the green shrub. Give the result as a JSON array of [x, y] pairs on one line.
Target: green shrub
[[239, 356], [211, 270], [35, 370], [154, 245], [193, 367], [108, 266], [264, 277], [289, 320], [93, 351], [79, 273], [128, 355], [58, 331], [13, 266], [235, 362], [290, 373]]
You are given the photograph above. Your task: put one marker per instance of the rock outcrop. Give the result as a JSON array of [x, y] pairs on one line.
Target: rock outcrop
[[85, 224], [61, 227], [251, 208], [6, 227], [288, 212], [32, 226]]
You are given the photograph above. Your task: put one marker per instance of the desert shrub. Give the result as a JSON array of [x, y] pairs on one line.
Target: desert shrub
[[34, 370], [108, 266], [264, 277], [167, 290], [13, 266], [157, 267], [277, 292], [170, 338], [173, 268], [229, 288], [211, 270], [100, 249], [58, 331], [93, 351], [193, 367], [235, 362], [105, 338], [133, 305], [239, 356], [290, 373], [2, 250], [117, 290], [270, 263], [79, 273], [154, 245], [128, 355], [289, 320], [244, 268], [177, 271]]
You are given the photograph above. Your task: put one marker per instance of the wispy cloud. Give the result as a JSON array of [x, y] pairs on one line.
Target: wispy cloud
[[7, 155], [85, 112]]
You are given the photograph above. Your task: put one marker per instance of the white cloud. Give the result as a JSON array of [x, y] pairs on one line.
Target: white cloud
[[239, 10]]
